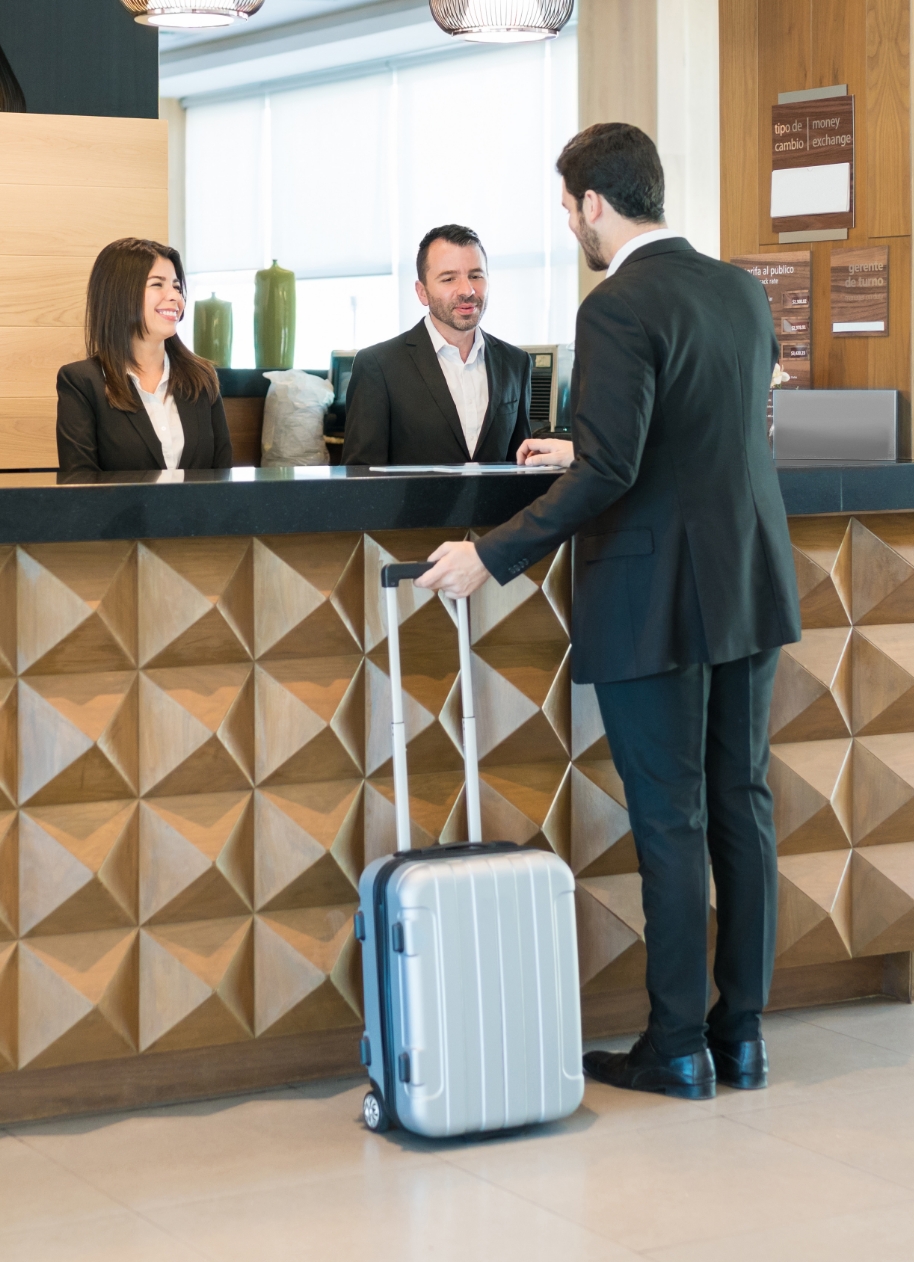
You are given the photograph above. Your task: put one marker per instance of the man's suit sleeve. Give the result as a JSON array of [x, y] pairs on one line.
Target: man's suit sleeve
[[522, 427], [366, 440], [614, 400], [77, 439]]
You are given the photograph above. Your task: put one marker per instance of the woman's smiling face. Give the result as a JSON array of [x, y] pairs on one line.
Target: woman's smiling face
[[164, 303]]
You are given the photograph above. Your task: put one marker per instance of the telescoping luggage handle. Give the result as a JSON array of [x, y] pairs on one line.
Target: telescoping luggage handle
[[391, 577]]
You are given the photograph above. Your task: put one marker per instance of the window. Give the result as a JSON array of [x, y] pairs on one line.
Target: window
[[340, 181]]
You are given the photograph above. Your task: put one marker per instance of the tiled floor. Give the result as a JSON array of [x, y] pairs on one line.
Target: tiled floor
[[820, 1166]]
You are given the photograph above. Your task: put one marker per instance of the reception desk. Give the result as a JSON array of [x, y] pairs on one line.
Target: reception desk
[[194, 765]]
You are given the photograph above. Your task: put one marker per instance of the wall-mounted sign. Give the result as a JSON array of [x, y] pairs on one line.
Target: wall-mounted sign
[[812, 165], [860, 292], [786, 278]]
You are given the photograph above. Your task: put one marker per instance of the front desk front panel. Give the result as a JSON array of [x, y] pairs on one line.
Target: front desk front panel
[[196, 768]]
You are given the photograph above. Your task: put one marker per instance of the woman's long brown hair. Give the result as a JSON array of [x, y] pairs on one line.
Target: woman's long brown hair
[[115, 316]]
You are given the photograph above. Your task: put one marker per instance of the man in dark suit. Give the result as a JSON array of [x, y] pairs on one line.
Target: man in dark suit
[[445, 392], [684, 592]]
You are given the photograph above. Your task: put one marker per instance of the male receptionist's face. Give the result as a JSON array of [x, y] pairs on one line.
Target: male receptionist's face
[[455, 289]]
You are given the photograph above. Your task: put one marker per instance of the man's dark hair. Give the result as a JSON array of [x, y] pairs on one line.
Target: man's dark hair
[[453, 232], [621, 163]]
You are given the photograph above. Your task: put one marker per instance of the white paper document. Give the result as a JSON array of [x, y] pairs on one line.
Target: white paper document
[[822, 190], [465, 470]]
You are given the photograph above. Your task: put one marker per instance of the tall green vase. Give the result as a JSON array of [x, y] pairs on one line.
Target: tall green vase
[[213, 331], [274, 317]]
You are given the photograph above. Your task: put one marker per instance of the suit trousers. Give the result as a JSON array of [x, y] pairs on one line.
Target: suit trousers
[[691, 746]]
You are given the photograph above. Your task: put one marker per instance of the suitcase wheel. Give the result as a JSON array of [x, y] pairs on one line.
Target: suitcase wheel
[[374, 1113]]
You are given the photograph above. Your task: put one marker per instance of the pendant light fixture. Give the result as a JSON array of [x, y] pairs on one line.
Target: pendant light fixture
[[502, 21], [191, 15]]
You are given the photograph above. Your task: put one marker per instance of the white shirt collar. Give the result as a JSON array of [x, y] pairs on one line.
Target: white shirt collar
[[439, 343], [646, 238], [163, 382]]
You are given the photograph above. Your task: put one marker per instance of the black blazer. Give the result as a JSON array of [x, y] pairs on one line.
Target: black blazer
[[93, 436], [399, 409], [682, 552]]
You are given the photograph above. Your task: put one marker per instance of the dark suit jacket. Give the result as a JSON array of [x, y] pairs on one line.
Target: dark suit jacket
[[399, 409], [682, 552], [93, 436]]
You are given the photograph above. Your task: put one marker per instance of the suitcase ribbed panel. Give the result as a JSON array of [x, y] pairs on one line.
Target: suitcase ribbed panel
[[484, 995]]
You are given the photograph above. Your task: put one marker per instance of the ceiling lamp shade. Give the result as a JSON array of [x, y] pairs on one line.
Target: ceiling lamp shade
[[190, 15], [502, 21]]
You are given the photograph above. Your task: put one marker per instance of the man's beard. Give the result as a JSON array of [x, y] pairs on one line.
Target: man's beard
[[444, 312], [590, 244]]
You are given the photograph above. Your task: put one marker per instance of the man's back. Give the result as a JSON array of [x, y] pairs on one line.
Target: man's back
[[683, 554]]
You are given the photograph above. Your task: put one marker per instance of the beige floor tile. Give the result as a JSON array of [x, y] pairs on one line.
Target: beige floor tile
[[433, 1211], [658, 1186], [36, 1192], [871, 1131], [810, 1062], [885, 1234], [121, 1238], [884, 1022], [190, 1152]]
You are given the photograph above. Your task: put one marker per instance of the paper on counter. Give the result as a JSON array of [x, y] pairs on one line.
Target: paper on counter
[[466, 470]]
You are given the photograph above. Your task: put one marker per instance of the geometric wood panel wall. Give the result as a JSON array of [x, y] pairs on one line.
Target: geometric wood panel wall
[[68, 186], [195, 767]]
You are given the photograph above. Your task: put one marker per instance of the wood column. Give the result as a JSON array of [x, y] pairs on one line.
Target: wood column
[[68, 186], [617, 74]]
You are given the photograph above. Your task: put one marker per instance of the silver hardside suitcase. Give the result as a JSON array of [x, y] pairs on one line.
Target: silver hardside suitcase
[[469, 959]]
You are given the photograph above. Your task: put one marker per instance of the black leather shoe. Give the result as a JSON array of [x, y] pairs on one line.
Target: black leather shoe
[[644, 1069], [741, 1065]]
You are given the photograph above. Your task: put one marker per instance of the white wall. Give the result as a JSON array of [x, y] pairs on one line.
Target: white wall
[[688, 131]]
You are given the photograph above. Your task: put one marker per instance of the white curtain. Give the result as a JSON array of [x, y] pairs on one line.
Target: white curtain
[[340, 181]]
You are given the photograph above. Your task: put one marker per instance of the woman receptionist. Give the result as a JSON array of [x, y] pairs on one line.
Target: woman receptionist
[[141, 400]]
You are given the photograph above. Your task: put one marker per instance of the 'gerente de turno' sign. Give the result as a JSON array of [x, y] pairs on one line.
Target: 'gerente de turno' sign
[[812, 165]]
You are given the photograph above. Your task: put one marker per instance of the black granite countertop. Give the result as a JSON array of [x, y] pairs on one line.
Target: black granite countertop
[[45, 507]]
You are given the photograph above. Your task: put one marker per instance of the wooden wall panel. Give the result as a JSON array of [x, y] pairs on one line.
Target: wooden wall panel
[[68, 186], [773, 46], [888, 118], [784, 61], [205, 771], [69, 150], [739, 176], [43, 291]]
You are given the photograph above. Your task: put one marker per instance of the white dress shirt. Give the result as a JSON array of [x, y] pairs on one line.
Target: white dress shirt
[[646, 238], [166, 421], [467, 381]]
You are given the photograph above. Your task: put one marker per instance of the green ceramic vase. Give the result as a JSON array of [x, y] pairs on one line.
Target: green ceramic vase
[[213, 331], [274, 317]]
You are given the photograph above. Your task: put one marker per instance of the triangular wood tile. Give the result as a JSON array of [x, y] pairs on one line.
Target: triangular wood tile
[[309, 720], [610, 932], [77, 738], [883, 679], [882, 889], [883, 581], [196, 857], [197, 727], [883, 789], [236, 604], [77, 868], [811, 699], [814, 908], [296, 960], [528, 804], [9, 1007], [308, 845], [588, 735], [77, 998], [436, 812], [183, 587], [196, 984], [811, 782], [9, 876], [8, 619], [601, 838], [430, 746], [9, 742]]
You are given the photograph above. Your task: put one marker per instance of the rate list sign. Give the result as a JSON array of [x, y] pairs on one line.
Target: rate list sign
[[786, 278]]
